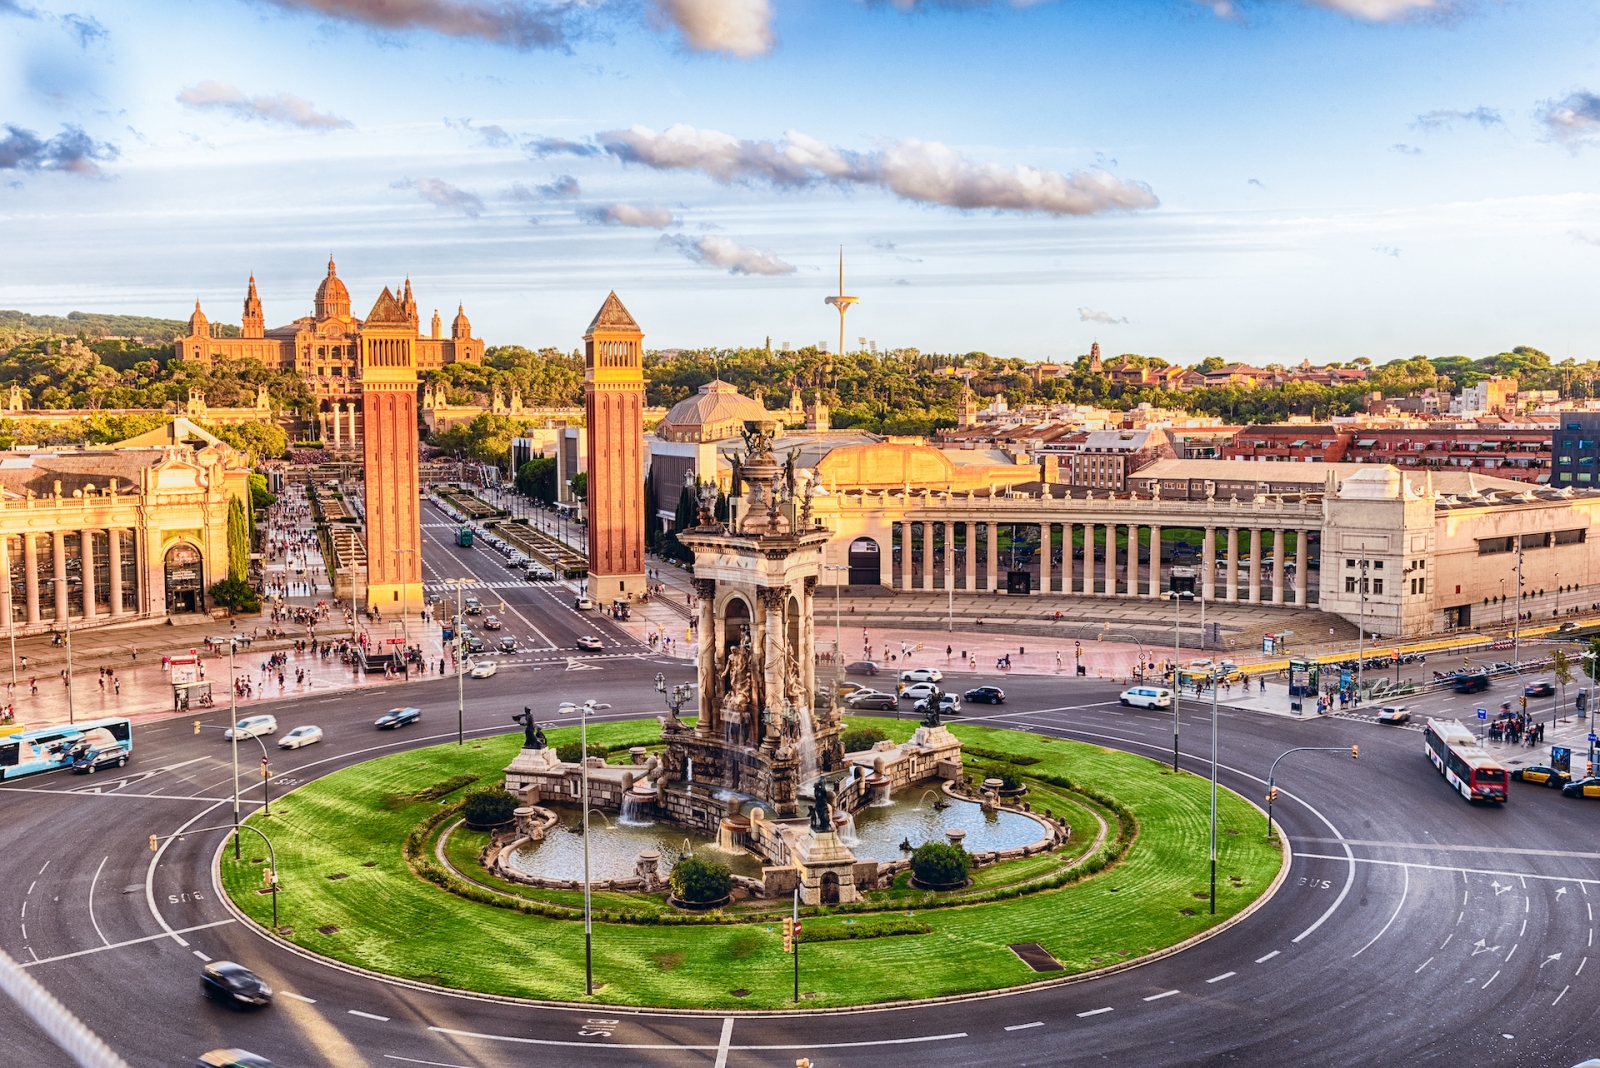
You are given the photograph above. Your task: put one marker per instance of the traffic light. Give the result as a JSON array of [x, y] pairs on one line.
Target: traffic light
[[197, 726], [1272, 794], [788, 935], [265, 773], [269, 878], [1355, 752], [152, 843], [1524, 700]]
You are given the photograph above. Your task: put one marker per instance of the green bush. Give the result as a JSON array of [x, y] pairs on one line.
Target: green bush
[[696, 880], [489, 806], [1010, 779], [570, 751], [858, 739], [940, 864], [236, 593]]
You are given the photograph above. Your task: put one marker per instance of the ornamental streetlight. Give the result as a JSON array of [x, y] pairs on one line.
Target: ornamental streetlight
[[1177, 597], [838, 642], [584, 711], [460, 644]]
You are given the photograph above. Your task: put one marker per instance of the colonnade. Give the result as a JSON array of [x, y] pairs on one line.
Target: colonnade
[[1120, 572], [45, 558], [335, 419]]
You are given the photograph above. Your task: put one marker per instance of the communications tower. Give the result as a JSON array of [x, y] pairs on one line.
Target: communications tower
[[841, 301]]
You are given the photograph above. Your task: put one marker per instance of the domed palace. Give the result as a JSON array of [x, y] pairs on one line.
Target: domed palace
[[324, 346]]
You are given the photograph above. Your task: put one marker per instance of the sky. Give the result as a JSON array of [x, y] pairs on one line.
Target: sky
[[1266, 180]]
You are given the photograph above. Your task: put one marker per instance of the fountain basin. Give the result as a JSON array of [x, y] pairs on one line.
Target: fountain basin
[[614, 849]]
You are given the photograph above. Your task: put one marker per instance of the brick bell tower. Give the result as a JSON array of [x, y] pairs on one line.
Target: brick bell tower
[[613, 397], [389, 446]]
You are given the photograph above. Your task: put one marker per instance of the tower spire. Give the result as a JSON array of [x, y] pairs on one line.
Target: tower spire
[[841, 301]]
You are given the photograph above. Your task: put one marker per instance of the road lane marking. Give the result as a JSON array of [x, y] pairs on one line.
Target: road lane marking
[[1269, 956], [1024, 1027], [369, 1016], [1513, 950], [413, 1060], [150, 872], [1404, 890], [1423, 965], [1561, 995], [169, 933], [663, 1045], [298, 997], [1443, 867], [1491, 979], [1094, 1012], [201, 955], [722, 1044], [1220, 978], [1163, 994], [92, 883], [1581, 963], [1437, 847]]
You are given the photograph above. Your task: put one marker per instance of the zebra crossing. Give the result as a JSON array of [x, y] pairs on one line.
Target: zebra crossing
[[442, 588]]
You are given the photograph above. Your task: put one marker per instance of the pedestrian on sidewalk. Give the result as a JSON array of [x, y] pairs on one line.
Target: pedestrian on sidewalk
[[24, 661], [116, 685]]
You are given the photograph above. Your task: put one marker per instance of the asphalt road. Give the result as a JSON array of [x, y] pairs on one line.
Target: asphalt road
[[1413, 928]]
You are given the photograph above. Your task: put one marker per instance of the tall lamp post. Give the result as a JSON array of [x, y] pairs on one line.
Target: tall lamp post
[[460, 640], [1177, 597], [1516, 628], [1213, 677], [584, 711], [1558, 593], [838, 647], [405, 629], [66, 623]]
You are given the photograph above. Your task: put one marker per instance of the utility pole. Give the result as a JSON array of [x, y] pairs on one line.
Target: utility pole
[[1516, 628]]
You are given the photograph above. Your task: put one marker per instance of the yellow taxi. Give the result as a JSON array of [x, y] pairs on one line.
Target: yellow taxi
[[1542, 774]]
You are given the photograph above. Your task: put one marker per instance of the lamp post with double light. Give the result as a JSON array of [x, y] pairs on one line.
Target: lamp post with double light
[[584, 711]]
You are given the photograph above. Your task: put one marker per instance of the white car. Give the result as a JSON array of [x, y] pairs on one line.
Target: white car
[[591, 643], [583, 604], [483, 669], [252, 727], [917, 692], [921, 675], [1146, 697], [301, 736]]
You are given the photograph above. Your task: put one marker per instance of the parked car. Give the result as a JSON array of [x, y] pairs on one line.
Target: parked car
[[508, 643], [989, 695], [583, 604], [1543, 774], [1394, 714], [491, 623], [1542, 688], [949, 704], [861, 667], [921, 675], [590, 643], [1589, 787], [233, 1058], [301, 736], [397, 717], [234, 984], [483, 669], [917, 691], [872, 699], [252, 727], [1146, 697], [96, 757]]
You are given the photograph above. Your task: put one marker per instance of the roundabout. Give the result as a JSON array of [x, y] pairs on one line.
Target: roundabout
[[377, 871]]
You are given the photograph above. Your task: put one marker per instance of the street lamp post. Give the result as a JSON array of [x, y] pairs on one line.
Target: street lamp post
[[584, 711], [66, 623], [1213, 792], [405, 629], [460, 640], [1516, 628], [1361, 639], [1177, 597], [1558, 594]]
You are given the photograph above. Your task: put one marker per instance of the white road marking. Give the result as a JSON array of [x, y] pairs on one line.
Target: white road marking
[[1551, 957], [298, 997], [1036, 1023], [1513, 950], [662, 1045], [24, 909], [1581, 963], [1561, 995], [32, 954], [92, 883], [1465, 893], [1446, 942], [36, 883], [150, 872], [169, 933], [1269, 956], [1163, 994], [1404, 890], [1220, 978], [201, 955], [46, 865], [24, 932], [369, 1016], [722, 1044], [1524, 929], [1491, 979], [1423, 965], [413, 1060], [1442, 867], [1094, 1012]]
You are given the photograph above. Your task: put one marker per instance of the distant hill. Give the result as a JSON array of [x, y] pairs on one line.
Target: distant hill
[[17, 326]]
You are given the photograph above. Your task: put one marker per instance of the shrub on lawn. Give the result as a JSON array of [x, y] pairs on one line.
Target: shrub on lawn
[[488, 807], [569, 751], [695, 880], [858, 739], [939, 864]]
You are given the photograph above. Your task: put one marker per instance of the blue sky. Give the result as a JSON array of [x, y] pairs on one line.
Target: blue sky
[[1267, 180]]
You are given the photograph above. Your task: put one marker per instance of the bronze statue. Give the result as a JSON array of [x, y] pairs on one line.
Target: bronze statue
[[532, 733], [932, 718], [821, 808]]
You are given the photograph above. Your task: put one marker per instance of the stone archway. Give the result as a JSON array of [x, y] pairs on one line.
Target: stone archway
[[830, 888], [866, 567], [185, 574]]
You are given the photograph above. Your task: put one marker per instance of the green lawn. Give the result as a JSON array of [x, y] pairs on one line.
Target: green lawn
[[390, 920]]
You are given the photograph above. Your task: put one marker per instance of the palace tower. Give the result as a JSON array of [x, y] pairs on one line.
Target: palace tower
[[613, 395], [389, 413]]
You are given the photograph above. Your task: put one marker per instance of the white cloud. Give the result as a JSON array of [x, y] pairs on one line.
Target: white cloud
[[1574, 120], [284, 108], [716, 251], [1586, 237], [1445, 118], [1405, 150], [1381, 10], [72, 151], [739, 27], [442, 194], [510, 22], [1089, 315], [644, 215], [1386, 250], [926, 172]]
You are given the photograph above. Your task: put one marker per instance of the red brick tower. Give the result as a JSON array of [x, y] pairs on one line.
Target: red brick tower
[[613, 396], [389, 445]]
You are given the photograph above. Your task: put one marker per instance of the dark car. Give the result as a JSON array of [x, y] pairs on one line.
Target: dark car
[[474, 643], [223, 980], [1543, 774], [233, 1058], [872, 699], [861, 667], [1475, 683], [989, 695], [93, 759], [491, 623], [397, 717], [1542, 688], [1589, 787], [508, 643]]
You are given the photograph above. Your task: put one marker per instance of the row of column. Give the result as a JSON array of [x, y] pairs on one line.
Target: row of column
[[1101, 579], [336, 419], [57, 549]]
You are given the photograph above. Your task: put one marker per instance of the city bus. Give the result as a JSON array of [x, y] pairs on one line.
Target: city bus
[[464, 537], [1465, 765], [25, 752]]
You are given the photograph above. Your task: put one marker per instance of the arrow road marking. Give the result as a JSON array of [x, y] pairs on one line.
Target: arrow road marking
[[573, 664], [1551, 957], [1560, 890], [1498, 889], [1481, 947]]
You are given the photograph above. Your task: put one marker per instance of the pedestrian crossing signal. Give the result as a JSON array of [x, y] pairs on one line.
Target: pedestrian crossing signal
[[788, 936]]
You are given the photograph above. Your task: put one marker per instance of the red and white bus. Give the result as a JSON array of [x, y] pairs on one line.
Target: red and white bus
[[1464, 764]]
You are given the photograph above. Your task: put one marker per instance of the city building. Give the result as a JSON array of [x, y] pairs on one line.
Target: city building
[[1575, 450], [613, 393], [1508, 450]]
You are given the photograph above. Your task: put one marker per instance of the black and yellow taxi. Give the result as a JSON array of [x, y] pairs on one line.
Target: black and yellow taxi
[[1587, 788], [1543, 774]]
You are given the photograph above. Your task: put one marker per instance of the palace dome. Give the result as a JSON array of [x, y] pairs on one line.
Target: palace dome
[[333, 299], [716, 412]]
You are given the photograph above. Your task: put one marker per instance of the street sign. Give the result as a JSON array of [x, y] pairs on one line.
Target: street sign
[[1483, 713], [1593, 738]]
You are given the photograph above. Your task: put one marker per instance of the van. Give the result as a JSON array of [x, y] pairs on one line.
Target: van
[[1146, 697]]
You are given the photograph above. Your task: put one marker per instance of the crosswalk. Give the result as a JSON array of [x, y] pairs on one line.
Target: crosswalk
[[507, 584]]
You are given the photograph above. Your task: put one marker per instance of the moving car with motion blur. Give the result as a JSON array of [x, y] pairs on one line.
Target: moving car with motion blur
[[96, 757], [922, 674], [491, 623], [1146, 697], [861, 667], [872, 699], [252, 727], [483, 669], [233, 1058], [949, 704], [397, 717], [590, 643], [307, 735], [234, 984], [1393, 715], [1586, 788], [917, 691], [1542, 688]]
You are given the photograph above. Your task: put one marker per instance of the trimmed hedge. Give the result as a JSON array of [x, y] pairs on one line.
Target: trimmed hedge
[[697, 881]]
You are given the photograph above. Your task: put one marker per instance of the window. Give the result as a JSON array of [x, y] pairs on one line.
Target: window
[[1566, 443], [1349, 563], [1378, 564], [1495, 545], [1422, 585], [1377, 585], [1585, 477], [1566, 461], [1572, 537], [1349, 584]]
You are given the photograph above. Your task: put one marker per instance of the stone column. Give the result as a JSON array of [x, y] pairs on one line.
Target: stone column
[[808, 641], [1155, 561], [991, 548], [59, 538], [115, 563], [30, 575], [86, 549], [1233, 564], [773, 656], [927, 554], [907, 561], [1208, 564], [1044, 557], [969, 530], [5, 591], [352, 422], [1302, 566], [705, 590], [1254, 594], [1278, 547], [1108, 570], [335, 413]]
